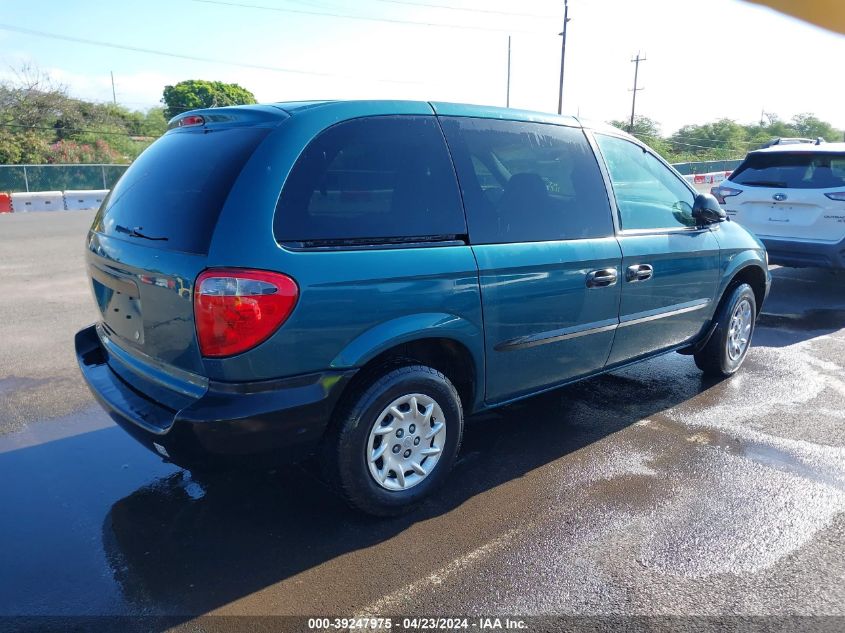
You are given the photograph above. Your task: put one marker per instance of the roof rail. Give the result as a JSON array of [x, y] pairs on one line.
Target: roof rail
[[787, 141]]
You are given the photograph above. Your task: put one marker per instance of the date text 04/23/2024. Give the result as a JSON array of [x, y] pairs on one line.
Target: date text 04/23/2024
[[416, 624]]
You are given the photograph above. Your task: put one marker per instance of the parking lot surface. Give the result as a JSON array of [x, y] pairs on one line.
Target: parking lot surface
[[650, 490]]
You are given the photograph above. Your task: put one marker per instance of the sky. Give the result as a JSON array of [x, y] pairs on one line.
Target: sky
[[705, 59]]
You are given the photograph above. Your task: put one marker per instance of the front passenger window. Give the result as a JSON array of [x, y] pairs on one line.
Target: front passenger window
[[648, 194]]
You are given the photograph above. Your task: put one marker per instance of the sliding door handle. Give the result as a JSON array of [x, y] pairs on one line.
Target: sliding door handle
[[602, 278], [639, 272]]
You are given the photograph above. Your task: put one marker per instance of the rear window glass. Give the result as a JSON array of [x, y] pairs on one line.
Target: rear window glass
[[171, 196], [372, 179], [527, 182], [792, 170]]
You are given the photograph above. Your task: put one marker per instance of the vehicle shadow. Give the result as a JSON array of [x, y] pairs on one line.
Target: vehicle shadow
[[804, 303], [178, 546]]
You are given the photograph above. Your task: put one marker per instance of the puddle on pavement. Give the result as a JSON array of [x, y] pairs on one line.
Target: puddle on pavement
[[10, 384], [818, 319], [757, 451], [784, 461]]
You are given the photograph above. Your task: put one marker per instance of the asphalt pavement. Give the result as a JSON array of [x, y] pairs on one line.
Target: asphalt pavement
[[649, 491]]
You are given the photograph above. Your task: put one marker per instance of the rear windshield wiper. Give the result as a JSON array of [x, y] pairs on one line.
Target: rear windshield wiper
[[763, 183], [136, 232]]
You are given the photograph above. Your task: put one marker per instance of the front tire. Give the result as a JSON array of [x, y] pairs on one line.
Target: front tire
[[728, 346], [394, 440]]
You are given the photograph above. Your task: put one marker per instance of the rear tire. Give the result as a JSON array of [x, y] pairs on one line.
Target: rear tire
[[394, 440], [728, 346]]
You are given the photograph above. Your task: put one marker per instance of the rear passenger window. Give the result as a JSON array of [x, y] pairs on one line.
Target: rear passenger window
[[648, 194], [372, 180], [527, 182]]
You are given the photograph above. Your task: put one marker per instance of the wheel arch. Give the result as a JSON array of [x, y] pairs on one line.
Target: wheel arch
[[447, 343], [752, 272], [748, 270]]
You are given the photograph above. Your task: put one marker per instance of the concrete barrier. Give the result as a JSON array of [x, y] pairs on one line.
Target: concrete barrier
[[704, 182], [38, 201], [90, 199]]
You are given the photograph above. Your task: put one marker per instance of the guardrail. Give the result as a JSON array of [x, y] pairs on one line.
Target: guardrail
[[24, 202]]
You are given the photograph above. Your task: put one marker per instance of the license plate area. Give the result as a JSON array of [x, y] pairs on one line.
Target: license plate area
[[120, 305], [779, 213]]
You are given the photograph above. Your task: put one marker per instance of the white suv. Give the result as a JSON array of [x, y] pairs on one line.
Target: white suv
[[793, 198]]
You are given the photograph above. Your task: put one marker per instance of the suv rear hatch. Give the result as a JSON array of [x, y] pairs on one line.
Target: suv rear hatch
[[150, 241], [787, 195]]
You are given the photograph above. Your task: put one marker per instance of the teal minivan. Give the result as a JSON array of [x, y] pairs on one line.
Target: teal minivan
[[352, 279]]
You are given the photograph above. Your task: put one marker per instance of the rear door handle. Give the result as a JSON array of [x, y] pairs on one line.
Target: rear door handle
[[639, 272], [602, 278]]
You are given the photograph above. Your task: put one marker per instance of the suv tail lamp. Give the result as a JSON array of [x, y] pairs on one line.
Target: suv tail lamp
[[836, 195], [720, 193], [236, 309]]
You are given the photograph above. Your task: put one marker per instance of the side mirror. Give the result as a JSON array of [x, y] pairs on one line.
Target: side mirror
[[706, 210]]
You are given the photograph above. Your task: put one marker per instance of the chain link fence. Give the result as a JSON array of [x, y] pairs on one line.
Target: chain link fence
[[707, 166], [20, 178]]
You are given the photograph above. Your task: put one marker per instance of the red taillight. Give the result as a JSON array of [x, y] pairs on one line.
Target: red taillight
[[191, 119], [235, 310], [720, 193]]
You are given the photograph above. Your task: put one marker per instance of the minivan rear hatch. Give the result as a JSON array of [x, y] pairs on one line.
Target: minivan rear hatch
[[150, 239]]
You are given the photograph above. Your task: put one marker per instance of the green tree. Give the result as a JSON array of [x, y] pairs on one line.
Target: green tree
[[718, 140], [153, 124], [10, 147], [809, 126], [648, 131], [199, 93], [643, 126], [27, 147], [32, 99], [41, 123]]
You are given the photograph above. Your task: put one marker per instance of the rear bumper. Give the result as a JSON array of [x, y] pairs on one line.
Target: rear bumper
[[261, 422], [799, 254]]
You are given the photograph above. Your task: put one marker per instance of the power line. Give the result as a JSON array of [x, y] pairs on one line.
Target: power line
[[698, 146], [69, 130], [707, 140], [669, 140], [468, 9], [463, 27], [196, 58], [719, 144], [660, 138]]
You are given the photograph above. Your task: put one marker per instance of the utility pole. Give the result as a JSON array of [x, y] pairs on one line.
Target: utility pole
[[636, 62], [113, 94], [562, 55], [508, 98]]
